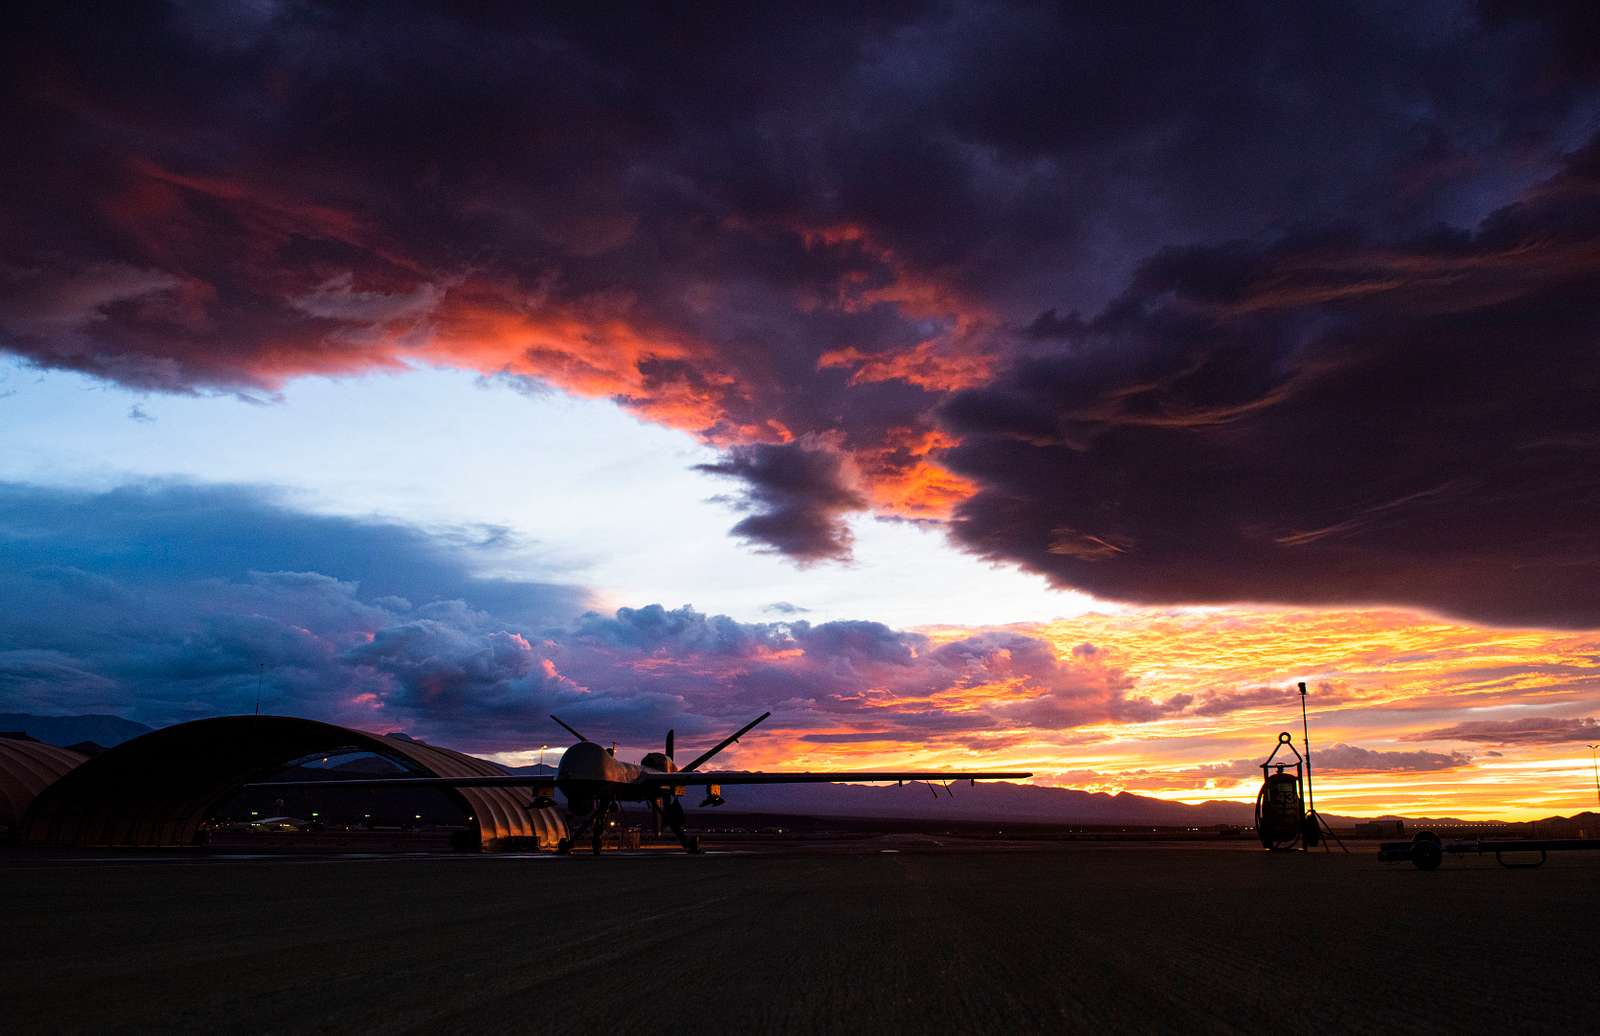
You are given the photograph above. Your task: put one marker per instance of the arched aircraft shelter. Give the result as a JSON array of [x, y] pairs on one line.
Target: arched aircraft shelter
[[27, 768], [157, 789]]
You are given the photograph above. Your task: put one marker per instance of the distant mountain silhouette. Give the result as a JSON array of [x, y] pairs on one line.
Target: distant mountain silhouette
[[65, 731], [533, 769], [990, 800]]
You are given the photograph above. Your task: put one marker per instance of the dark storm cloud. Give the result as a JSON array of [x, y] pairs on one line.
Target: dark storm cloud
[[1332, 419], [798, 496], [1535, 730], [1223, 293], [1571, 31]]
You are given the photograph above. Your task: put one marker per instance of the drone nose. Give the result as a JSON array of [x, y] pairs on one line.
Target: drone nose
[[583, 761]]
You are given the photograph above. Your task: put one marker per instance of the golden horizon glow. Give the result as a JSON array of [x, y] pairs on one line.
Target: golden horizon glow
[[1382, 681]]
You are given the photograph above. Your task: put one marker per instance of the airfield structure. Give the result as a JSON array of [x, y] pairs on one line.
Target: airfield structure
[[158, 789], [28, 767], [1427, 850]]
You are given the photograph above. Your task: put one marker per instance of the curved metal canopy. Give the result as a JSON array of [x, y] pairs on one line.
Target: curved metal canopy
[[156, 789], [27, 768]]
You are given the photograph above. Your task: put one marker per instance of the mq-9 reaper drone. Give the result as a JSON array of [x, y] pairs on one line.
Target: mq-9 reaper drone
[[595, 783]]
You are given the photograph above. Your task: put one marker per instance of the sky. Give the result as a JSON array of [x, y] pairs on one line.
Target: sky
[[1023, 384]]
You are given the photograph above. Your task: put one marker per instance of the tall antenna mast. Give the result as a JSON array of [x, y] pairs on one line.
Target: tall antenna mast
[[261, 672]]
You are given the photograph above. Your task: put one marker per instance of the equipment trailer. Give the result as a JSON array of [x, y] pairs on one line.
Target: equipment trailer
[[1427, 850]]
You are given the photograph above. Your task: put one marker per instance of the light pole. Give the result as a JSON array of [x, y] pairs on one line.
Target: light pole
[[1596, 760], [1305, 737], [1310, 836]]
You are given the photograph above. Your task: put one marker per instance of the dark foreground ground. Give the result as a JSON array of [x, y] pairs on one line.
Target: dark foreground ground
[[841, 937]]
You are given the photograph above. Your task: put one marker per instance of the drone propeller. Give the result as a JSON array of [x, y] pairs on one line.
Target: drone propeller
[[567, 727], [669, 744]]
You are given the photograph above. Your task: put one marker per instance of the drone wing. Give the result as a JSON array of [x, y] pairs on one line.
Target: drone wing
[[510, 780]]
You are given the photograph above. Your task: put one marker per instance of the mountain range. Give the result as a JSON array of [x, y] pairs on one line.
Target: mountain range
[[988, 800], [103, 730]]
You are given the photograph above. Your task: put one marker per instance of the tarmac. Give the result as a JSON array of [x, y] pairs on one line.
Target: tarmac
[[889, 934]]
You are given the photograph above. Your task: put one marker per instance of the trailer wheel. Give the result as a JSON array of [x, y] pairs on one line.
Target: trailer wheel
[[1426, 851]]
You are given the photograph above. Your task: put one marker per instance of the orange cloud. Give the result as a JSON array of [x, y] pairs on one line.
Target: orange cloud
[[924, 365], [1217, 684], [904, 479]]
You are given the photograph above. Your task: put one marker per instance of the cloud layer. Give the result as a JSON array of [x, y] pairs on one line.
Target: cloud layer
[[168, 602], [1291, 306], [165, 602], [1534, 730]]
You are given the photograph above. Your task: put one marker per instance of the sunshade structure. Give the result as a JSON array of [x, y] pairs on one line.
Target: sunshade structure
[[157, 789], [27, 768]]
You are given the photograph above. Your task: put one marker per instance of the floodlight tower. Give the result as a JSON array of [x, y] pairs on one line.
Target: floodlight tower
[[1312, 820], [1305, 737]]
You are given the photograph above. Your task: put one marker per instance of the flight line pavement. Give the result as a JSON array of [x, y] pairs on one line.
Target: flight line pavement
[[889, 934]]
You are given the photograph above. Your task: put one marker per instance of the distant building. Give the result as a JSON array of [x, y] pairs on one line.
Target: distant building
[[1381, 829]]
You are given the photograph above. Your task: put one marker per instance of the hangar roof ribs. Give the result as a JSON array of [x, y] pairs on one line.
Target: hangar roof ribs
[[28, 767]]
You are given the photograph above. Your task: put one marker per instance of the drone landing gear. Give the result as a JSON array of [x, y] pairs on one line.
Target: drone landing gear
[[675, 818], [593, 824], [597, 823], [690, 843]]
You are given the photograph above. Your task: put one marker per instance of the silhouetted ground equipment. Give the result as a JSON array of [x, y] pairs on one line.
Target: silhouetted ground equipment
[[1282, 820], [1280, 808], [1427, 850]]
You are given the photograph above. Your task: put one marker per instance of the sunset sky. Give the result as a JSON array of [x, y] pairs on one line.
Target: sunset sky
[[960, 382]]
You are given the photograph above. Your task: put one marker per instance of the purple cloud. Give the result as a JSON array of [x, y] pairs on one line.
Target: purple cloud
[[1534, 730]]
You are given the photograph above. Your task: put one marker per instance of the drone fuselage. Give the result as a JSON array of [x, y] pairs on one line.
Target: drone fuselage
[[590, 773]]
